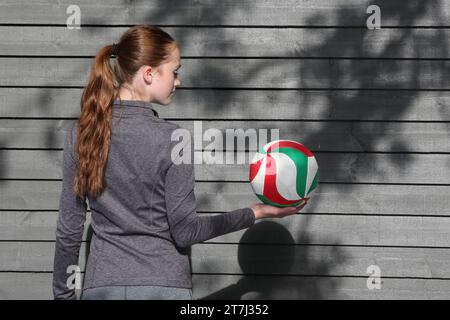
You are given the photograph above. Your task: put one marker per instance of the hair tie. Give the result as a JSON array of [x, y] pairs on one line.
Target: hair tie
[[114, 50]]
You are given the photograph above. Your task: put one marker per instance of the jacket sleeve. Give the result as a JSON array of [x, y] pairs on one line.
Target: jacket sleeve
[[69, 226], [186, 226]]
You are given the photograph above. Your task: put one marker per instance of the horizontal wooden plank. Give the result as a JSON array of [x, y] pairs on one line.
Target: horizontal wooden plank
[[248, 104], [220, 196], [26, 286], [229, 12], [237, 287], [319, 260], [333, 167], [303, 229], [33, 256], [264, 260], [34, 225], [317, 136], [350, 168], [251, 73], [238, 42]]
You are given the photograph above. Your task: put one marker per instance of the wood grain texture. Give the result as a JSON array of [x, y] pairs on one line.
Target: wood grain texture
[[333, 167], [238, 104], [27, 286], [373, 105], [296, 288], [220, 196], [318, 136], [251, 73], [238, 42], [305, 229], [265, 260], [230, 12]]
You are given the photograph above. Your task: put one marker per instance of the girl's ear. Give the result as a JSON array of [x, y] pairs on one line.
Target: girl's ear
[[148, 75]]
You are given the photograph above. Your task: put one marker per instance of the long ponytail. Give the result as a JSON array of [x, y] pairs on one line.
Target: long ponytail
[[94, 125], [138, 46]]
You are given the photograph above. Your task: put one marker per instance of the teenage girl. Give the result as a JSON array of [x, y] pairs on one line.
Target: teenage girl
[[118, 158]]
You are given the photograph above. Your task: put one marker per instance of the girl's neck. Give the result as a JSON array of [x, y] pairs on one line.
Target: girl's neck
[[128, 94]]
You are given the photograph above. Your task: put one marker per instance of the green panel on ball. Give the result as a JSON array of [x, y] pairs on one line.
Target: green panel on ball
[[301, 161]]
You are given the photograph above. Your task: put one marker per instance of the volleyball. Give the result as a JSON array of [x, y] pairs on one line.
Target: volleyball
[[283, 173]]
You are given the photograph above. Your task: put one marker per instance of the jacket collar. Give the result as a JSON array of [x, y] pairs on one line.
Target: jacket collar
[[117, 104]]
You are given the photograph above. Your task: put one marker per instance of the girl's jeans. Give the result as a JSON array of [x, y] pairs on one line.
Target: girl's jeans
[[136, 293]]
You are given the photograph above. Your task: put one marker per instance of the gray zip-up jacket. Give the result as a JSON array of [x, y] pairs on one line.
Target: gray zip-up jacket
[[145, 219]]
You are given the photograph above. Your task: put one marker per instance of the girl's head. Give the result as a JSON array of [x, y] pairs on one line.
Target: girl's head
[[146, 64], [145, 69]]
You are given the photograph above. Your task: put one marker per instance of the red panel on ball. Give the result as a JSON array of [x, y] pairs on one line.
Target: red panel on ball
[[290, 144], [254, 168]]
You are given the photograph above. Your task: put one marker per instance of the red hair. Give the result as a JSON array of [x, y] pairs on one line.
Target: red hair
[[140, 45]]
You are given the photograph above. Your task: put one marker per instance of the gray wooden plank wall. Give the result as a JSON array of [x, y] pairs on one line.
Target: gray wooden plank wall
[[373, 105]]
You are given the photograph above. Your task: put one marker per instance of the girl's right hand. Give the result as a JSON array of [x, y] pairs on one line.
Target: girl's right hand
[[267, 211]]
